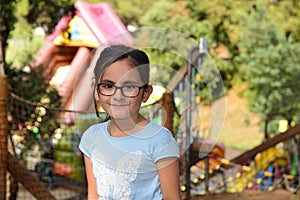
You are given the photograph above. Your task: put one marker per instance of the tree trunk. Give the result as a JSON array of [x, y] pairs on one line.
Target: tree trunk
[[266, 130], [1, 69], [13, 183], [2, 59], [3, 134]]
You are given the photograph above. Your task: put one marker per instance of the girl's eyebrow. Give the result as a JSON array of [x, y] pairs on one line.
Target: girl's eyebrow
[[123, 83], [129, 82], [107, 81]]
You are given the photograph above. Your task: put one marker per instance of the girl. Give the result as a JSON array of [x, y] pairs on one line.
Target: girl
[[128, 157]]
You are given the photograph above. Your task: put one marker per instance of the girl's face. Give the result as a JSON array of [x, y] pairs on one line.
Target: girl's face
[[118, 106]]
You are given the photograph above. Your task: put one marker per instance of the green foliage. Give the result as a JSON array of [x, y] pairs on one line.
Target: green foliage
[[7, 21], [46, 14], [270, 65], [23, 45], [164, 66], [221, 18], [175, 16], [30, 112], [286, 15], [83, 122], [130, 11], [212, 85], [192, 21], [21, 82]]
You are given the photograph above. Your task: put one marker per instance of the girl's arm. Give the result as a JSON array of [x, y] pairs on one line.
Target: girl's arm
[[168, 171], [91, 180]]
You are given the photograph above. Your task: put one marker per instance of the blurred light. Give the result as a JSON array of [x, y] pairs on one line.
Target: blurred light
[[183, 188], [131, 28], [26, 69], [39, 31], [282, 125], [58, 136]]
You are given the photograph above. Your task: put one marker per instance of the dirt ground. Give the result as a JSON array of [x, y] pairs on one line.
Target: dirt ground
[[252, 195]]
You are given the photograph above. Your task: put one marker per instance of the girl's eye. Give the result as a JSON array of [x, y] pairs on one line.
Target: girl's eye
[[107, 86], [130, 87]]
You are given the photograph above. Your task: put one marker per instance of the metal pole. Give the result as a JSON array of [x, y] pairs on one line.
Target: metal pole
[[188, 118], [206, 174], [196, 52], [3, 134], [203, 49]]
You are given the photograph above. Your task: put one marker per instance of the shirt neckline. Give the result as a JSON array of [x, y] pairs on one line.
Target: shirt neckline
[[129, 136]]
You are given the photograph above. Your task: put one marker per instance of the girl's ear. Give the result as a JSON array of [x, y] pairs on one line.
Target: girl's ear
[[147, 92]]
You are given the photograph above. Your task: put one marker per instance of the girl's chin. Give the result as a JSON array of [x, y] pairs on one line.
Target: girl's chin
[[119, 116], [122, 119]]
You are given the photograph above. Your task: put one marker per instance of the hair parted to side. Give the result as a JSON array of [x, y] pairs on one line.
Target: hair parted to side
[[115, 53]]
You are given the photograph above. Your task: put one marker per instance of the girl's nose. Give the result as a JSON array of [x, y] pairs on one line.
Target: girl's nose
[[118, 93]]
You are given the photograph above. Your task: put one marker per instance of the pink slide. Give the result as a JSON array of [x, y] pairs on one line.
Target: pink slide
[[82, 55], [81, 98], [104, 23]]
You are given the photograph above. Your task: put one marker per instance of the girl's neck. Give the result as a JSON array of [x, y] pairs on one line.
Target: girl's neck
[[125, 127]]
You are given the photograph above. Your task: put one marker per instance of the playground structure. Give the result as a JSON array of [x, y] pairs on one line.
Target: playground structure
[[71, 49], [273, 164]]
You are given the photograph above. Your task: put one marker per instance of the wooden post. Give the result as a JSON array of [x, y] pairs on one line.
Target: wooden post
[[3, 134], [169, 110], [27, 179]]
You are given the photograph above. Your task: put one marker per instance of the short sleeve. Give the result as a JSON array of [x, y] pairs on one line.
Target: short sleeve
[[170, 149], [86, 141], [167, 148]]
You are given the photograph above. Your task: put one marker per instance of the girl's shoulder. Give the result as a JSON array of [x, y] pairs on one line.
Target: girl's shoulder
[[95, 128], [157, 131], [98, 125]]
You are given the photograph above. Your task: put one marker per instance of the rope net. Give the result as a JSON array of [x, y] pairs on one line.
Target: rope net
[[43, 161]]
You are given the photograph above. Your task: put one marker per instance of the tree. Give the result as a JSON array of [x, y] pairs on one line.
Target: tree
[[7, 21], [271, 67], [27, 111], [130, 12], [24, 40], [181, 18], [46, 14], [221, 18], [30, 117], [286, 15]]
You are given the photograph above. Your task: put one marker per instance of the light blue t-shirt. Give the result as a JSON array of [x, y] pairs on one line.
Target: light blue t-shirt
[[125, 167]]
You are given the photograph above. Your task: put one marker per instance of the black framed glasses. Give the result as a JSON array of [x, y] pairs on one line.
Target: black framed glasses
[[109, 89]]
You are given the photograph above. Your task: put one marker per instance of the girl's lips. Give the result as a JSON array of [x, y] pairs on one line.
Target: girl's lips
[[114, 105]]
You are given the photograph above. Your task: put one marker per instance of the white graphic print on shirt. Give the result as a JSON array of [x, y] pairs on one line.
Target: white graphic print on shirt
[[114, 183]]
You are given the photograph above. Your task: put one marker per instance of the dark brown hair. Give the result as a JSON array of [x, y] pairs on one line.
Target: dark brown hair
[[115, 53]]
